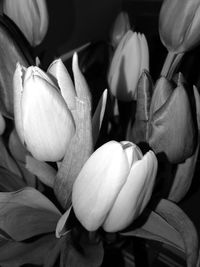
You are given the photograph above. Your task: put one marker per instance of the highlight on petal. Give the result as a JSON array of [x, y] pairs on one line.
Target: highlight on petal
[[18, 90], [134, 195], [98, 184], [47, 122], [58, 70]]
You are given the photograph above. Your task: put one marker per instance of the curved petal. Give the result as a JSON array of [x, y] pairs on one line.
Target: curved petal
[[134, 195], [98, 184], [58, 70], [47, 122], [18, 90]]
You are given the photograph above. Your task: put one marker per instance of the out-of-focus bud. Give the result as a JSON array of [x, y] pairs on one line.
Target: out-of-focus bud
[[185, 171], [30, 16], [171, 127], [120, 27], [130, 58], [179, 23], [43, 120], [114, 186]]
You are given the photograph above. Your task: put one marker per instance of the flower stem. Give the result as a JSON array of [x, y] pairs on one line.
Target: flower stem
[[171, 64]]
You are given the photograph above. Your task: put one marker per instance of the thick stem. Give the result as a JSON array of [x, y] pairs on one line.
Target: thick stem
[[171, 63]]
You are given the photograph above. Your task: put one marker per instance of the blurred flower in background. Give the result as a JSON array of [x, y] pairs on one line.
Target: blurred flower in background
[[179, 23], [131, 57], [31, 16], [120, 27]]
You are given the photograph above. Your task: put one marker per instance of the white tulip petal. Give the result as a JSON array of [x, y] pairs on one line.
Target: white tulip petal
[[59, 72], [36, 71], [47, 122], [98, 184], [134, 195], [18, 90], [132, 152], [117, 74]]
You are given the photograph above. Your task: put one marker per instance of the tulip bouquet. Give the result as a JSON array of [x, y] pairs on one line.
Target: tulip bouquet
[[84, 172]]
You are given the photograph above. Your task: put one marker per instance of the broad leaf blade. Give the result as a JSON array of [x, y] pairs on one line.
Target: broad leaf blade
[[16, 254], [170, 225], [27, 213]]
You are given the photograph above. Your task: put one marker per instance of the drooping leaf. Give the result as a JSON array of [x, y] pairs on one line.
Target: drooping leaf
[[169, 224], [27, 213], [13, 48]]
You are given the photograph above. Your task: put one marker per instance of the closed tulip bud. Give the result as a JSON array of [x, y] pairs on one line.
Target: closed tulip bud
[[171, 127], [43, 120], [185, 170], [114, 186], [119, 29], [179, 23], [130, 58], [30, 16]]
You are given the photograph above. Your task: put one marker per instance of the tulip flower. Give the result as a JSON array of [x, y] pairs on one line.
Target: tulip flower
[[30, 16], [171, 127], [114, 186], [179, 23], [131, 57], [185, 171], [119, 29], [42, 117]]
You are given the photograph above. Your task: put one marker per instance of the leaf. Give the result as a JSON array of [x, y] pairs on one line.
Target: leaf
[[98, 116], [42, 170], [6, 161], [9, 181], [60, 228], [16, 147], [27, 213], [16, 254], [13, 49], [170, 225]]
